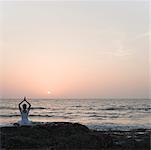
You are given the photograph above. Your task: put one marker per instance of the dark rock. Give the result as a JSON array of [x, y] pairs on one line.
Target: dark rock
[[70, 136]]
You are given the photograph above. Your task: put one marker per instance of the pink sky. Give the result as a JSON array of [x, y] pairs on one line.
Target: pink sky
[[74, 49]]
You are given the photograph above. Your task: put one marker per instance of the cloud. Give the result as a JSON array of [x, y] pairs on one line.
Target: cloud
[[119, 50], [140, 36], [118, 53]]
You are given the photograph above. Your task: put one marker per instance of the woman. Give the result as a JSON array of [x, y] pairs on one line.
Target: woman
[[24, 112]]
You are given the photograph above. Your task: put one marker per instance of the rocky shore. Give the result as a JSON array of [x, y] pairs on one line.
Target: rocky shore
[[72, 136]]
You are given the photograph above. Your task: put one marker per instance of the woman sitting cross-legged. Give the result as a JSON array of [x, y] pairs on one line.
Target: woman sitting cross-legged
[[24, 112]]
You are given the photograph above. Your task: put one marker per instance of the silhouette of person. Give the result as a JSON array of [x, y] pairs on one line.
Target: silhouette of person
[[24, 112]]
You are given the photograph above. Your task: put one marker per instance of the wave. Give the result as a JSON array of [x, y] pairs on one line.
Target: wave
[[8, 116], [108, 108], [125, 108], [103, 116], [77, 106], [9, 108], [38, 108], [41, 115], [116, 127], [14, 108]]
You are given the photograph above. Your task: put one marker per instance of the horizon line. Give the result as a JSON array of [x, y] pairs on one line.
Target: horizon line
[[34, 98]]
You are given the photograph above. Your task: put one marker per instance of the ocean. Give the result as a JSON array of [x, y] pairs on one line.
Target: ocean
[[100, 114]]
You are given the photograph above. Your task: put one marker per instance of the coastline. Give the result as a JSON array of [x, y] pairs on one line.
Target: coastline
[[73, 136]]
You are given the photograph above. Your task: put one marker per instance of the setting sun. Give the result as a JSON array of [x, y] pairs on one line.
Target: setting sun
[[49, 92]]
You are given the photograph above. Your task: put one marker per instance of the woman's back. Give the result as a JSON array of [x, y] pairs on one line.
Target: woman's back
[[24, 113]]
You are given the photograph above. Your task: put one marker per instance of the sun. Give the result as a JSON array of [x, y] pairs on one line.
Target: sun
[[49, 92]]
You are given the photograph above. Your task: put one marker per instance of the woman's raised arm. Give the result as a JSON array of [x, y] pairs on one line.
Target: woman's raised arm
[[19, 105], [28, 104]]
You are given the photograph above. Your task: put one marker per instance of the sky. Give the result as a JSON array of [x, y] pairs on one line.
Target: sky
[[74, 49]]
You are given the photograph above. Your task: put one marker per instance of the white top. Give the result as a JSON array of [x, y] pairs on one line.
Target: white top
[[24, 118]]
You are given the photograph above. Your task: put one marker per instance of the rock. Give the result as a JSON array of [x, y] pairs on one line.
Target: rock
[[66, 136]]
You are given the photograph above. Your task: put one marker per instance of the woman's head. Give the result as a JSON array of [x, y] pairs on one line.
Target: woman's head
[[24, 106]]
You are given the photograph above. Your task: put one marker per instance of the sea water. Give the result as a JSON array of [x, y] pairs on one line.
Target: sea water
[[100, 114]]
